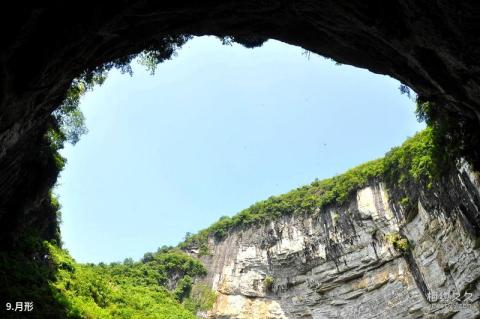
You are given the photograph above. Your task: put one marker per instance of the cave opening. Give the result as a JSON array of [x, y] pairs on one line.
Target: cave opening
[[214, 130], [429, 46]]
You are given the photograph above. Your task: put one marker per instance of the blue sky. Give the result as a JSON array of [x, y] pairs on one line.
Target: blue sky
[[216, 129]]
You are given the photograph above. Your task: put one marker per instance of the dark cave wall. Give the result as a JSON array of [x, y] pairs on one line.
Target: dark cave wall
[[432, 46]]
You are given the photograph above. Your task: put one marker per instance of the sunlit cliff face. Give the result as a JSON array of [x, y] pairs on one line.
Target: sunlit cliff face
[[358, 260]]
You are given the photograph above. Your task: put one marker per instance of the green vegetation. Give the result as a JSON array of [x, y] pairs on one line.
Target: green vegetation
[[416, 161], [404, 201], [454, 135], [25, 276], [399, 242], [201, 298], [268, 282], [161, 287], [145, 289]]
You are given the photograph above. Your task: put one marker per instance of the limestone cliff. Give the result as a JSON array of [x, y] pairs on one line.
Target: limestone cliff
[[342, 262]]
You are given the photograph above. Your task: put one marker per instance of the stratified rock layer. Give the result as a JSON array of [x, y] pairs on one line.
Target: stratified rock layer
[[340, 262]]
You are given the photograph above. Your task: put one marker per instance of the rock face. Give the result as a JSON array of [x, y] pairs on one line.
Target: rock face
[[343, 263]]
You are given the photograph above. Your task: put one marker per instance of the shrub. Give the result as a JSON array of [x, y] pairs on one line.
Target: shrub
[[268, 283], [202, 298], [404, 201], [125, 290], [183, 289], [399, 242]]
